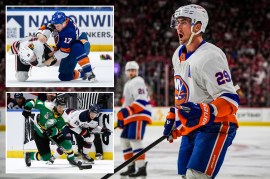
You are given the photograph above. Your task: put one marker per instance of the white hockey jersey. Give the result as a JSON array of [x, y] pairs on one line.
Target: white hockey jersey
[[136, 96], [79, 119], [203, 76], [38, 48]]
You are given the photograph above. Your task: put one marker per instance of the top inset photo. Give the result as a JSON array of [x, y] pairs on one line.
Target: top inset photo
[[60, 46]]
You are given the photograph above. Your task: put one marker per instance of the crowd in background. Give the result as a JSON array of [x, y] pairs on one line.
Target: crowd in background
[[239, 28], [143, 34]]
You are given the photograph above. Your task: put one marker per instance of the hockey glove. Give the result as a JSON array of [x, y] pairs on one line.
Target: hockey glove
[[120, 117], [47, 132], [170, 126], [106, 131], [120, 124], [85, 133], [198, 114], [26, 112]]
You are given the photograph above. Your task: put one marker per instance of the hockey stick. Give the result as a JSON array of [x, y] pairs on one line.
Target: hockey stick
[[78, 164], [135, 157]]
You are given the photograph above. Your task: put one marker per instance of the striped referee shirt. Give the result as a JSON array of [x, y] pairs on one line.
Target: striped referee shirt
[[86, 99]]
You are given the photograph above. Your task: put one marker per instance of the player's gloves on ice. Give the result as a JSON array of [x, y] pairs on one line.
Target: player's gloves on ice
[[106, 131], [199, 114], [170, 126], [26, 112]]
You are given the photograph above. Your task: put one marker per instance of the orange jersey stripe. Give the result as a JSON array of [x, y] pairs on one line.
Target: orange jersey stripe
[[84, 61], [136, 108], [222, 136], [224, 107], [65, 50], [139, 130], [229, 118], [120, 115], [137, 118]]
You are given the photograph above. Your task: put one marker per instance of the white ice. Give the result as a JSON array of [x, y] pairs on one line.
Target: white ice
[[247, 158], [59, 166], [48, 76]]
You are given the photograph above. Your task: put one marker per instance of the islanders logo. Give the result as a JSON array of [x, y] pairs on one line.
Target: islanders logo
[[181, 92]]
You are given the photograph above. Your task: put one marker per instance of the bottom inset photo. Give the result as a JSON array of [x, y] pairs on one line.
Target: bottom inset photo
[[54, 132]]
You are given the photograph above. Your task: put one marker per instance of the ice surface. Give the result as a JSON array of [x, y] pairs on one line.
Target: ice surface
[[48, 76], [247, 158]]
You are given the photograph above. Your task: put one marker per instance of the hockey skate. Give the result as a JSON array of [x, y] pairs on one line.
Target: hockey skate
[[27, 159], [130, 170], [51, 161], [141, 172], [90, 76], [99, 156], [87, 159]]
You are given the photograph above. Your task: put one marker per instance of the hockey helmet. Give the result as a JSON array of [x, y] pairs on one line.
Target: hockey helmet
[[195, 12], [58, 18], [60, 101], [94, 108], [18, 95], [26, 54], [131, 65]]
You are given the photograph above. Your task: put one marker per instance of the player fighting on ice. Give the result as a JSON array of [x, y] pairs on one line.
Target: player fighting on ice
[[82, 123], [51, 123], [205, 98], [132, 118], [70, 49]]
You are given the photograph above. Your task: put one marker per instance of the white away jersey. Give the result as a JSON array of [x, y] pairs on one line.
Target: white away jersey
[[33, 42], [203, 77], [79, 119], [134, 89]]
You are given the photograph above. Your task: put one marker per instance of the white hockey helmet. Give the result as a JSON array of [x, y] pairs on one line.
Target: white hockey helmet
[[26, 54], [132, 65], [195, 12]]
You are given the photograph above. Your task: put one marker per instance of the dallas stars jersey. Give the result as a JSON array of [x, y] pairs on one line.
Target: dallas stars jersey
[[46, 112], [203, 76]]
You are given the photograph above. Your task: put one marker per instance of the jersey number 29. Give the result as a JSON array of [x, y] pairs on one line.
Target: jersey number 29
[[223, 77]]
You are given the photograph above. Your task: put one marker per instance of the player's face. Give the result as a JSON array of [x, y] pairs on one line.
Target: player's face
[[93, 115], [19, 101], [183, 29], [60, 109], [59, 27], [131, 73]]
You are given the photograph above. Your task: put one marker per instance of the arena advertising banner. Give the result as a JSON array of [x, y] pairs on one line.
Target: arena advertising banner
[[257, 115], [96, 21], [19, 132]]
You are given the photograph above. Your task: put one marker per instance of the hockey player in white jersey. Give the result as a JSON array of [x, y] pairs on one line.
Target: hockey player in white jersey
[[85, 124], [132, 118], [28, 52], [205, 98]]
